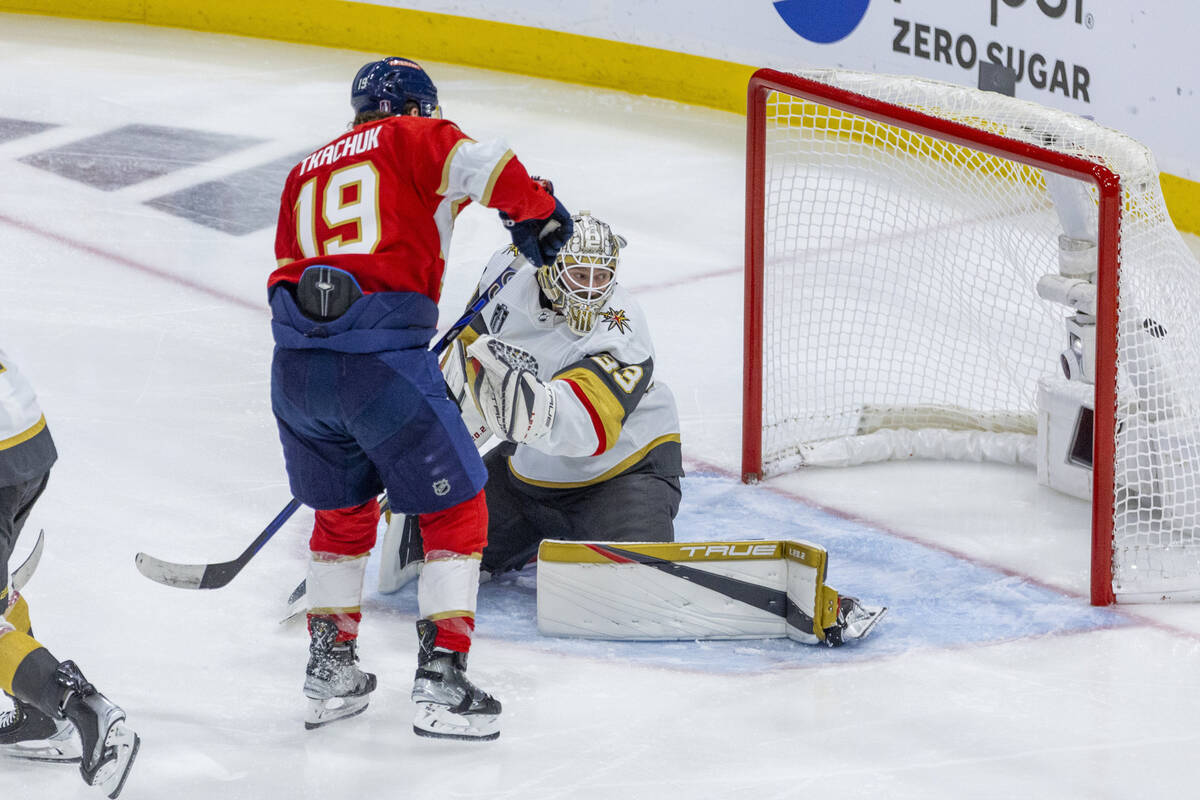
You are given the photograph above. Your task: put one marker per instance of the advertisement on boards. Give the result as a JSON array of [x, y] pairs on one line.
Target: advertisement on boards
[[1130, 66]]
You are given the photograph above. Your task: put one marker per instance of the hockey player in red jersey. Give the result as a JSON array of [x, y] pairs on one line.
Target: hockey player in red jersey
[[364, 226]]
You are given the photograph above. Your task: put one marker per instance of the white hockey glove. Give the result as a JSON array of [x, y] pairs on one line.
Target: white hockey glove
[[515, 405], [454, 370]]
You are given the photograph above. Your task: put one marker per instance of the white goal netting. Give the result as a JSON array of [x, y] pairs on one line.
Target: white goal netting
[[899, 275]]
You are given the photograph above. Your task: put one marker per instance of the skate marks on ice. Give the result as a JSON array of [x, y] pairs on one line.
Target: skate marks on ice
[[935, 599]]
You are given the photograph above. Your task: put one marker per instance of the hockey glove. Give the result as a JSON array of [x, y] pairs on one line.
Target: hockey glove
[[514, 404], [539, 240], [454, 370]]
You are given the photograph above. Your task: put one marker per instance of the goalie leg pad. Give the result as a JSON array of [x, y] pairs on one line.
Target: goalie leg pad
[[696, 590], [403, 554]]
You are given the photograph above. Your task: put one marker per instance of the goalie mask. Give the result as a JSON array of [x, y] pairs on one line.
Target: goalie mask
[[582, 278]]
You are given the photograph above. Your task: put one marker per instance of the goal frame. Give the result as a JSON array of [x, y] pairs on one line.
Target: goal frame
[[1108, 184]]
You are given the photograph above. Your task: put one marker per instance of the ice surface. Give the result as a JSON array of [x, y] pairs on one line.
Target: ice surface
[[138, 309]]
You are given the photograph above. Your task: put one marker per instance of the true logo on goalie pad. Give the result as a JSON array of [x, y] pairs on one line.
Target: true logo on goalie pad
[[732, 550]]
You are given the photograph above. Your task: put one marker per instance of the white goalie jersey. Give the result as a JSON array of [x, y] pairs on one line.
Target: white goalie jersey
[[611, 414], [26, 448]]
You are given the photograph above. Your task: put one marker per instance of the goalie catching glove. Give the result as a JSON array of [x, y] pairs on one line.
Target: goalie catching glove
[[514, 404]]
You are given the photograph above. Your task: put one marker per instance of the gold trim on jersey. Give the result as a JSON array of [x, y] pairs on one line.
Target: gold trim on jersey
[[445, 184], [615, 470], [486, 197], [25, 435], [604, 405]]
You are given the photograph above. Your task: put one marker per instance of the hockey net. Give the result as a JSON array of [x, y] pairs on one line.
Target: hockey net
[[897, 229]]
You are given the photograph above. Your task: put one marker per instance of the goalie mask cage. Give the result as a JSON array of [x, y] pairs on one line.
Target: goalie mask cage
[[896, 229]]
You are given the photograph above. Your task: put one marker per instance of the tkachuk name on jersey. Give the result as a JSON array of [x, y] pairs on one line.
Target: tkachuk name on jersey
[[351, 145]]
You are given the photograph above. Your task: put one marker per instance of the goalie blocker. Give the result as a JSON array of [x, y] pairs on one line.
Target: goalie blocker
[[694, 590]]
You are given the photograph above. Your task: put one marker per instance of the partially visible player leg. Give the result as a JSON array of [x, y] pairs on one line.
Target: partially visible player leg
[[25, 732], [341, 542], [449, 706], [330, 471], [58, 689], [638, 507], [854, 621], [430, 468]]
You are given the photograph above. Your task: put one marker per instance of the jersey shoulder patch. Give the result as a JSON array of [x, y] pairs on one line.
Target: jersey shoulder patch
[[616, 319]]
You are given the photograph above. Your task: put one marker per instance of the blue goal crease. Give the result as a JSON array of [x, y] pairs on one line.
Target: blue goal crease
[[936, 600]]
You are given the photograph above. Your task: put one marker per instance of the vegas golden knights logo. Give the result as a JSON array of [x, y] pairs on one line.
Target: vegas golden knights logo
[[616, 318]]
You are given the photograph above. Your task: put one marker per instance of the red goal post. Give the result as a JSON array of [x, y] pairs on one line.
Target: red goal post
[[838, 111]]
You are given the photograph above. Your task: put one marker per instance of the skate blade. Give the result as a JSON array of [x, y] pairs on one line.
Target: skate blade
[[123, 744], [439, 722], [322, 712], [62, 752]]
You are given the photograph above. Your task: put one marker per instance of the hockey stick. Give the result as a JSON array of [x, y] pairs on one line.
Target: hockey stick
[[214, 576], [23, 573], [210, 576]]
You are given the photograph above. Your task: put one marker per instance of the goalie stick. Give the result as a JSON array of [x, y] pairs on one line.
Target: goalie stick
[[214, 576]]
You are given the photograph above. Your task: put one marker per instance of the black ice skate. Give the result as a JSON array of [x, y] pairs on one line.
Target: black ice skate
[[448, 705], [334, 685], [27, 733], [854, 621], [109, 746]]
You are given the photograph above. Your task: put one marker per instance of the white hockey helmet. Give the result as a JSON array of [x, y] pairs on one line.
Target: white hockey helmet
[[582, 278]]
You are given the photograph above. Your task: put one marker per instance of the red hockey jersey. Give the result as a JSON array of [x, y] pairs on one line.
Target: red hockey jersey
[[380, 202]]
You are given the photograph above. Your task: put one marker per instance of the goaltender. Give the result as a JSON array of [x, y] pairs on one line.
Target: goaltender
[[590, 444], [559, 365]]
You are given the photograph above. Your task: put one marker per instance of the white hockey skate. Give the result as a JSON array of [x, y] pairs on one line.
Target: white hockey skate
[[109, 746], [27, 733], [448, 705], [334, 685], [854, 621]]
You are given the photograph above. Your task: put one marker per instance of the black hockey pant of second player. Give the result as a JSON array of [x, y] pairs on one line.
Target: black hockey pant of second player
[[15, 504]]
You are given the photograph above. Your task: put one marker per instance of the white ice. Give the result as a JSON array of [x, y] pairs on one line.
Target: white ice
[[147, 338]]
